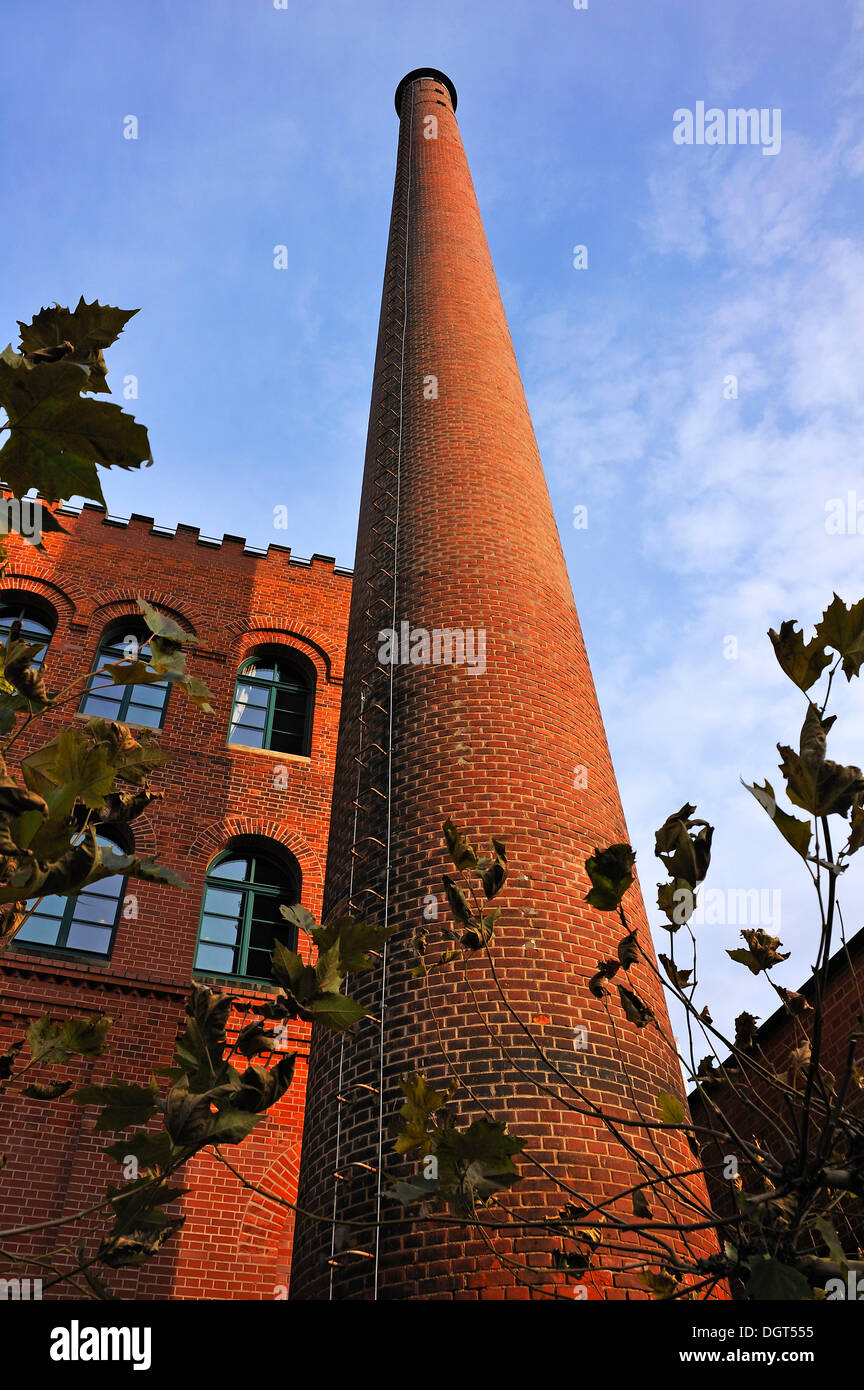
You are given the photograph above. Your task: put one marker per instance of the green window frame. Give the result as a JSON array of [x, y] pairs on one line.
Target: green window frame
[[36, 625], [144, 705], [84, 923], [273, 704], [240, 916]]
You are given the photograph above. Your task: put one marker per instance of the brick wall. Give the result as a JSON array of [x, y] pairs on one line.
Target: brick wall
[[754, 1108], [234, 1244], [457, 531]]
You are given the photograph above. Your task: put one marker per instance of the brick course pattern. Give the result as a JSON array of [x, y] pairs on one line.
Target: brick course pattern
[[457, 523], [235, 1244]]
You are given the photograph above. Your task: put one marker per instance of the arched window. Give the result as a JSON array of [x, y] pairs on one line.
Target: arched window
[[37, 623], [273, 701], [86, 921], [128, 704], [240, 917]]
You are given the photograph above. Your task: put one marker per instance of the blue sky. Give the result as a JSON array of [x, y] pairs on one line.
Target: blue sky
[[260, 127]]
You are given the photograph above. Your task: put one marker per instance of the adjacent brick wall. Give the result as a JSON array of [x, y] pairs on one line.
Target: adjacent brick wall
[[753, 1107], [234, 1244]]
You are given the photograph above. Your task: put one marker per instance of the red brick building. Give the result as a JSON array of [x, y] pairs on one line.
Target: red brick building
[[130, 950]]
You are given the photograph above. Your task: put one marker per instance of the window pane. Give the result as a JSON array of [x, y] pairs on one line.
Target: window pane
[[95, 907], [288, 674], [237, 867], [249, 738], [255, 695], [144, 715], [218, 959], [219, 929], [85, 936], [99, 706], [248, 717], [32, 629], [259, 965], [153, 695], [222, 902], [273, 876], [262, 670], [287, 743], [42, 930]]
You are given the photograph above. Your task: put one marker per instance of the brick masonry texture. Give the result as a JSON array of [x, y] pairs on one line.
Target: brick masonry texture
[[751, 1107], [235, 1244], [456, 517]]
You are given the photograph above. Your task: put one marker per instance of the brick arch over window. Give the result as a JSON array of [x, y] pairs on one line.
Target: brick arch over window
[[266, 1228], [21, 581], [213, 838], [275, 629], [121, 603], [143, 835]]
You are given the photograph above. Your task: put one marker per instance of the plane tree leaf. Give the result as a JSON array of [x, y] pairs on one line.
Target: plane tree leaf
[[803, 662], [611, 873], [796, 832], [842, 629], [122, 1102]]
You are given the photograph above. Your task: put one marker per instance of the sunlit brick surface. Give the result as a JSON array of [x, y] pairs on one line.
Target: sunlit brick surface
[[477, 548], [234, 1243]]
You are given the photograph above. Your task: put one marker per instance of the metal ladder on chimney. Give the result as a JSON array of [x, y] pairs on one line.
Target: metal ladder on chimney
[[370, 851]]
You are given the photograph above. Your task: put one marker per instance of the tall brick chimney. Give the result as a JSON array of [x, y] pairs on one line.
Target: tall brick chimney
[[456, 531]]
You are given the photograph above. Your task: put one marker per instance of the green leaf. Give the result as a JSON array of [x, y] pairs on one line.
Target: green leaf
[[412, 1123], [131, 673], [337, 1011], [831, 1239], [327, 970], [409, 1190], [86, 1037], [196, 691], [153, 1151], [611, 873], [771, 1281], [459, 905], [354, 939], [796, 832], [661, 1285], [671, 1109], [461, 852], [300, 917], [123, 1102], [45, 1039], [136, 866], [57, 437], [233, 1126], [802, 662], [494, 877], [163, 626], [57, 334]]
